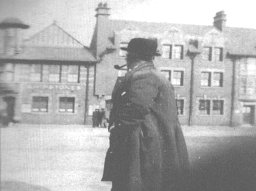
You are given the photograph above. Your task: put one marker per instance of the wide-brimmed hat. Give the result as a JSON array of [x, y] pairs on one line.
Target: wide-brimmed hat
[[142, 46]]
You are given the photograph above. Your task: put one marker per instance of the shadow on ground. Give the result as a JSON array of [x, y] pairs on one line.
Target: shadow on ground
[[230, 167], [20, 186]]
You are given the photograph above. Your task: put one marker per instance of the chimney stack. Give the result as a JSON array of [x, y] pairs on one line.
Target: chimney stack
[[220, 20], [102, 9], [102, 30]]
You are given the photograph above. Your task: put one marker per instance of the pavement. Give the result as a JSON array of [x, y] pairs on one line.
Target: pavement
[[71, 157]]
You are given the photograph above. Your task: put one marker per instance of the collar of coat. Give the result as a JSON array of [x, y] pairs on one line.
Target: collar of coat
[[139, 66]]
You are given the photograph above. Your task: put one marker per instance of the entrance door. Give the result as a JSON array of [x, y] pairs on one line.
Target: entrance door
[[248, 114], [10, 101]]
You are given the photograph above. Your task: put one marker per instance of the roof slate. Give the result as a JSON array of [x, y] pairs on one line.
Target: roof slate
[[54, 54], [55, 44]]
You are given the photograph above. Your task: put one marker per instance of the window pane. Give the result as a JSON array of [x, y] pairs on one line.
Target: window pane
[[73, 73], [217, 107], [205, 79], [35, 77], [207, 51], [8, 74], [166, 51], [54, 77], [204, 107], [178, 52], [73, 69], [177, 78], [73, 78], [40, 104], [36, 68], [54, 69], [9, 67], [251, 66], [36, 73], [218, 54], [180, 106], [167, 74], [67, 104], [217, 79]]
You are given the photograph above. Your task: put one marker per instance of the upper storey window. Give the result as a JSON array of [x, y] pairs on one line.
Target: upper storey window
[[218, 54], [207, 53], [172, 51], [167, 51], [73, 73], [213, 54], [36, 72], [54, 73], [9, 72], [178, 52]]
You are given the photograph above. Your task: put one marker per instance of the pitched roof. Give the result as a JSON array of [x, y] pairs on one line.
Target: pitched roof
[[53, 43], [53, 36], [240, 41]]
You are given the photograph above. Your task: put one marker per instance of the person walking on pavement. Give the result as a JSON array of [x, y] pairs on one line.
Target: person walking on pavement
[[147, 148]]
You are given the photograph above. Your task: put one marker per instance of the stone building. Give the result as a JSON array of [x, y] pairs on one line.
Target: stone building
[[49, 77], [53, 78], [213, 68]]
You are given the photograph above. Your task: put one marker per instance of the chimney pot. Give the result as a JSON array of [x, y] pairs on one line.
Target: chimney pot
[[102, 9], [220, 20]]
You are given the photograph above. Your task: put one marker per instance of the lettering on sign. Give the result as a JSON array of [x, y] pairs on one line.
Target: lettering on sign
[[53, 87]]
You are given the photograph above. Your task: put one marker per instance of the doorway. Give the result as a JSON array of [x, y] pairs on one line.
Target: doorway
[[248, 114], [10, 109]]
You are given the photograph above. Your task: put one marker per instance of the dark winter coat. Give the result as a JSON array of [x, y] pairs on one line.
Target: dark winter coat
[[147, 148]]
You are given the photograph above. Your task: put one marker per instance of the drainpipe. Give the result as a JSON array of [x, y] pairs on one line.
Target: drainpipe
[[192, 56], [86, 94], [232, 92]]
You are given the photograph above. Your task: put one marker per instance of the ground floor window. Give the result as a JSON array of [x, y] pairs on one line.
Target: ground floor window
[[180, 106], [204, 107], [217, 107], [167, 74], [40, 104], [67, 104]]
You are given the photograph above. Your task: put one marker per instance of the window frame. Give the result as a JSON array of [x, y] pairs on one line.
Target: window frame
[[65, 109], [208, 113], [33, 109], [221, 81], [181, 79], [181, 53], [9, 72], [222, 107], [209, 79], [54, 73], [38, 73], [170, 47], [183, 108], [72, 74], [218, 57], [169, 72], [209, 53]]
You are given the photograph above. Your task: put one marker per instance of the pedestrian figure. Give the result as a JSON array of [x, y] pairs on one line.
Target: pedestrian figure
[[103, 118], [94, 119], [147, 148]]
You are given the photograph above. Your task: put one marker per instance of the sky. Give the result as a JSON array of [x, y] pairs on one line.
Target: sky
[[78, 16]]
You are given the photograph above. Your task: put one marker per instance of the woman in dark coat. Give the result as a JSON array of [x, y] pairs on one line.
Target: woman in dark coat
[[147, 147]]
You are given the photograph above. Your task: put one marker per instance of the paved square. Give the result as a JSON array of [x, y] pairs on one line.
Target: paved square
[[70, 158]]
